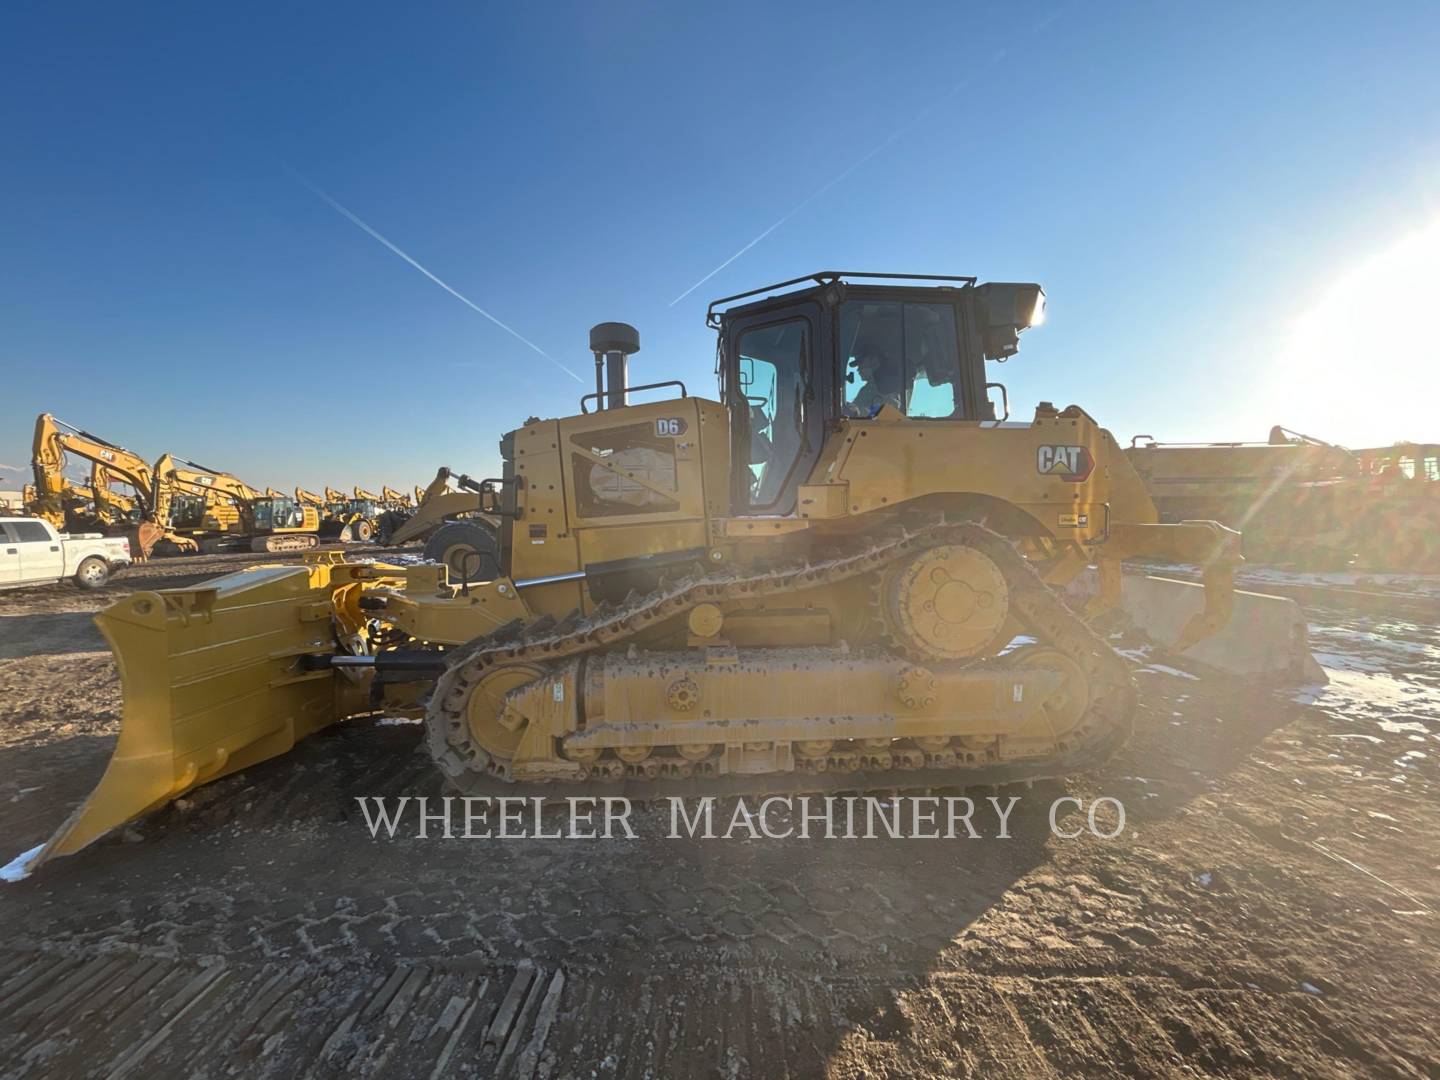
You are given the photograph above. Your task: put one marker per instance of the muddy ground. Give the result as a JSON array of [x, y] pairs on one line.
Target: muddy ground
[[1270, 909]]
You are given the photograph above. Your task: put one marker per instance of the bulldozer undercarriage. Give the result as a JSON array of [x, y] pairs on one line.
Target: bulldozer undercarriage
[[928, 702]]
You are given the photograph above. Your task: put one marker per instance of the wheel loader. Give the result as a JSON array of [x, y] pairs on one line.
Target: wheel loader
[[336, 517], [349, 518], [841, 573], [456, 531]]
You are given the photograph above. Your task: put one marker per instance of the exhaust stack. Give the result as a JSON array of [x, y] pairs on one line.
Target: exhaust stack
[[613, 343]]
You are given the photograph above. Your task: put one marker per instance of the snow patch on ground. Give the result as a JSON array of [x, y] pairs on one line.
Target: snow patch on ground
[[1384, 676], [1165, 670], [395, 721], [18, 868], [1399, 727]]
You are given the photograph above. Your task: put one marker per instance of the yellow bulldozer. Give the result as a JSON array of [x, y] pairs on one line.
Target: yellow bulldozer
[[841, 573]]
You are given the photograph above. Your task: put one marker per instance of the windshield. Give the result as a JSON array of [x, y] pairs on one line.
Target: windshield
[[187, 511], [905, 355]]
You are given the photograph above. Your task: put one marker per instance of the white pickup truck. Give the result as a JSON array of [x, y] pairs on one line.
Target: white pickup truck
[[33, 553]]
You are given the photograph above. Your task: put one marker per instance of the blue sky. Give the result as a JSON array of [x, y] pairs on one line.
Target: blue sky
[[1186, 181]]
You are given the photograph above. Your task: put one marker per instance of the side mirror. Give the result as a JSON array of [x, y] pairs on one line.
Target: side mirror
[[1004, 401]]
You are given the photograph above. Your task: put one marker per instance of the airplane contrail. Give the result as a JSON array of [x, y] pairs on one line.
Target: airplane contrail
[[823, 188], [360, 224]]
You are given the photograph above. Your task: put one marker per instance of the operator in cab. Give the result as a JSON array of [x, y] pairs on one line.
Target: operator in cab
[[881, 380]]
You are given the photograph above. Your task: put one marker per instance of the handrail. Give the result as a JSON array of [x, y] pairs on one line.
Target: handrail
[[824, 277], [598, 394]]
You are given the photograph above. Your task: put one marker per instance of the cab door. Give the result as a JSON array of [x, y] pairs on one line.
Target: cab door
[[781, 383], [41, 558], [9, 556]]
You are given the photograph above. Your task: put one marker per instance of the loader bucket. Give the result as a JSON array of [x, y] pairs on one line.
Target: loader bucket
[[212, 682]]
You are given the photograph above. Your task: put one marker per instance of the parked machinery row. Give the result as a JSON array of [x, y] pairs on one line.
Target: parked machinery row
[[1303, 501], [176, 506]]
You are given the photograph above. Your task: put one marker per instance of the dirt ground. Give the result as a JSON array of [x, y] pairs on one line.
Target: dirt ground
[[1270, 909]]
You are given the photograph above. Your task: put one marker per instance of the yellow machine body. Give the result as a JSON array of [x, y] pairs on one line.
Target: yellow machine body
[[648, 624]]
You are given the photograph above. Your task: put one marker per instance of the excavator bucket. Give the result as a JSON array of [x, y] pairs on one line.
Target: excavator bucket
[[212, 682]]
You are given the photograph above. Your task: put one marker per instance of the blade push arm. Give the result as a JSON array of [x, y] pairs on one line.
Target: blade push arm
[[1207, 544]]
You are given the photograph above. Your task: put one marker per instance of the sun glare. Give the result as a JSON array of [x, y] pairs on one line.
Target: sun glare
[[1360, 367]]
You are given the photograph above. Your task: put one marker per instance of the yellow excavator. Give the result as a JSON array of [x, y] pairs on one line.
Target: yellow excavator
[[54, 439], [85, 507], [238, 516], [111, 508], [198, 501], [395, 500], [309, 498], [842, 573]]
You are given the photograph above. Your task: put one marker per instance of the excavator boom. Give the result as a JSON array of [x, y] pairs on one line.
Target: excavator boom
[[54, 439]]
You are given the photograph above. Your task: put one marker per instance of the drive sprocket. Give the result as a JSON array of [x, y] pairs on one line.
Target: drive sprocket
[[944, 603]]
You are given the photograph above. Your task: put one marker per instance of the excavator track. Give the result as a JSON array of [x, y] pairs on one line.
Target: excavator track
[[544, 643], [278, 542]]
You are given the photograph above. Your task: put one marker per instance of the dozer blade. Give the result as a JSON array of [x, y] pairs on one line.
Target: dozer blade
[[212, 682], [1208, 544]]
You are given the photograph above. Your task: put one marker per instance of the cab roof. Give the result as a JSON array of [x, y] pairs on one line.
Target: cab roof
[[818, 283]]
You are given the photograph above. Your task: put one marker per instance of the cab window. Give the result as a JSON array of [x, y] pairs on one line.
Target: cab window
[[28, 532], [773, 363], [905, 355]]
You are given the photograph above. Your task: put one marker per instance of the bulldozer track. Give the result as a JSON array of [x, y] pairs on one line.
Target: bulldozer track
[[1103, 727]]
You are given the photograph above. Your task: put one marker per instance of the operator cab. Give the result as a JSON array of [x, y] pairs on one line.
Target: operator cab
[[276, 512], [187, 511], [789, 364]]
